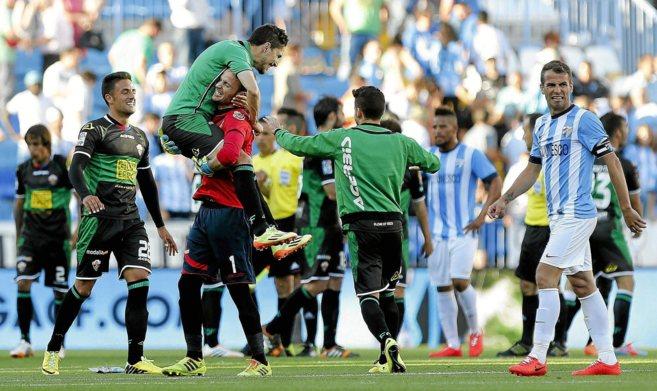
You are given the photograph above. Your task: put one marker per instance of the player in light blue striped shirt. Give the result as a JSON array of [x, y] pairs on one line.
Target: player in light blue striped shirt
[[566, 143], [454, 224]]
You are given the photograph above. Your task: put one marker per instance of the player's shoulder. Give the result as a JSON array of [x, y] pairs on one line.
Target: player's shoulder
[[59, 159], [24, 165]]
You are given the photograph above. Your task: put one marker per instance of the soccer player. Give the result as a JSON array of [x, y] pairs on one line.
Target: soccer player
[[187, 121], [43, 192], [110, 159], [369, 163], [219, 245], [451, 200], [566, 142], [609, 250]]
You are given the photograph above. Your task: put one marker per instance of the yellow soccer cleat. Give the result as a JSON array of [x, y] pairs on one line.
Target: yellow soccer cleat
[[143, 367], [50, 365], [186, 367], [393, 358], [379, 368], [283, 250], [256, 369], [272, 237]]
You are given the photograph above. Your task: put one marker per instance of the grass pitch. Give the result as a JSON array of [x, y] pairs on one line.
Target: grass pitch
[[486, 373]]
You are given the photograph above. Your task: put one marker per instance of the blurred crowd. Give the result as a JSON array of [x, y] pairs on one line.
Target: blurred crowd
[[420, 53]]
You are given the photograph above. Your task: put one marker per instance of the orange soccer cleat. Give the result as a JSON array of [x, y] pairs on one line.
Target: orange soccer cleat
[[599, 368], [446, 352], [476, 344], [530, 366]]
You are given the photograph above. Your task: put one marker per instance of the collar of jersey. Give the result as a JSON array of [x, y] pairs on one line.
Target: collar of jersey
[[372, 128], [563, 112], [117, 123], [247, 46]]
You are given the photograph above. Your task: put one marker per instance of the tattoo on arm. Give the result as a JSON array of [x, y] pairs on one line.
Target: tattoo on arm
[[508, 197]]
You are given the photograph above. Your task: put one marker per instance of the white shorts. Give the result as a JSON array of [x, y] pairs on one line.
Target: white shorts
[[568, 247], [452, 258]]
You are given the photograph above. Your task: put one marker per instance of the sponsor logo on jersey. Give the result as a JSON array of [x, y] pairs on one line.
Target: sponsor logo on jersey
[[347, 169], [567, 130], [140, 149], [40, 172], [52, 179], [97, 252], [96, 264], [460, 163], [81, 137], [131, 137], [238, 115], [126, 170]]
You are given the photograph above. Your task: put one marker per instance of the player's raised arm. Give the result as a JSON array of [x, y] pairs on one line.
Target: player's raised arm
[[319, 145], [418, 156], [524, 182], [247, 78]]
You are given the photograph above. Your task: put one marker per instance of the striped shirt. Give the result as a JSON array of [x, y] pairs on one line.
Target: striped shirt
[[173, 183], [567, 145], [451, 191]]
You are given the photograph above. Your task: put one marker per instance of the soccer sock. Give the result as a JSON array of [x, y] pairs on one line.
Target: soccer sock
[[250, 320], [286, 332], [447, 312], [136, 319], [249, 196], [67, 314], [604, 286], [211, 300], [546, 318], [289, 310], [374, 319], [25, 311], [252, 291], [573, 308], [59, 298], [390, 312], [622, 305], [468, 300], [330, 312], [401, 308], [310, 311], [597, 322], [560, 328], [191, 315], [529, 307]]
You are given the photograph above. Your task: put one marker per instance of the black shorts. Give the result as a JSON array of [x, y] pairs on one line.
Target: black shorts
[[219, 246], [288, 266], [324, 255], [51, 256], [404, 265], [532, 248], [610, 253], [194, 135], [99, 237], [376, 257]]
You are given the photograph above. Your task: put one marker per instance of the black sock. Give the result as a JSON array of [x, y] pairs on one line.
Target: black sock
[[401, 308], [330, 313], [189, 287], [249, 195], [310, 312], [136, 319], [622, 305], [59, 299], [560, 328], [286, 332], [390, 312], [65, 317], [25, 311], [250, 319], [285, 317], [374, 319], [573, 309], [529, 307], [212, 314], [252, 291]]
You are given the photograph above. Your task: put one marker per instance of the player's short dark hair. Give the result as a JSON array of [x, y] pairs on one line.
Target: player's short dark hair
[[324, 107], [483, 16], [276, 36], [370, 100], [532, 118], [612, 123], [444, 111], [153, 23], [391, 125], [556, 66], [109, 81], [294, 117], [39, 132]]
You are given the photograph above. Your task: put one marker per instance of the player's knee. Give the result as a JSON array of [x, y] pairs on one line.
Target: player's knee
[[59, 295], [335, 283], [625, 283], [460, 285], [582, 286], [400, 291], [24, 285], [316, 287], [528, 288], [135, 274], [84, 287]]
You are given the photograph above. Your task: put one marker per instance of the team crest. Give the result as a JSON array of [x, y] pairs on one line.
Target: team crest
[[238, 115], [21, 266], [324, 266], [140, 149], [460, 163], [195, 152], [567, 131], [395, 276], [52, 179], [96, 264]]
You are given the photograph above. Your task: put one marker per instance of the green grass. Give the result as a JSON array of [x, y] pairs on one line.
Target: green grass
[[487, 373]]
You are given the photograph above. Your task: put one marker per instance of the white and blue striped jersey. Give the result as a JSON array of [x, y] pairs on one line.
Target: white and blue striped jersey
[[451, 191], [567, 145]]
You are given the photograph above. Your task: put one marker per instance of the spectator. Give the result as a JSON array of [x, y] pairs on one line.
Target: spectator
[[55, 123], [8, 42], [158, 100], [399, 70], [644, 113], [370, 68], [643, 156], [490, 42], [29, 106], [133, 49], [419, 38], [448, 61], [82, 15], [644, 75], [57, 31], [465, 21], [482, 136], [511, 100], [492, 81], [190, 19], [287, 81], [587, 84], [355, 82], [173, 174], [57, 77], [151, 126], [166, 55]]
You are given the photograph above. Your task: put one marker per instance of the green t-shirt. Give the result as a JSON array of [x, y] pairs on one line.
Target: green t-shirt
[[195, 93], [369, 162], [132, 41], [363, 16]]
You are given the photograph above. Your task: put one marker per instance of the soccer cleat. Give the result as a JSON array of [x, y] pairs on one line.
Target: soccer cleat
[[272, 237], [274, 343], [50, 365], [309, 350], [220, 351], [378, 367], [256, 369], [518, 349], [338, 351], [530, 366], [590, 350], [599, 368], [62, 353], [394, 361], [283, 250], [186, 367], [142, 367], [629, 350], [557, 349], [476, 344], [446, 352], [24, 349]]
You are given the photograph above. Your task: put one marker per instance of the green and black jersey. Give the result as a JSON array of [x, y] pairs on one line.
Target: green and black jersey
[[369, 163], [116, 152], [606, 200], [47, 193], [319, 210]]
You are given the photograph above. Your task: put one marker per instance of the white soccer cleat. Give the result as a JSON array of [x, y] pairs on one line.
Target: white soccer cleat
[[61, 353], [24, 349], [220, 351]]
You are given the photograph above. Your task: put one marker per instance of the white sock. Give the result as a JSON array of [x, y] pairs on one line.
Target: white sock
[[597, 321], [468, 300], [546, 318], [448, 311]]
